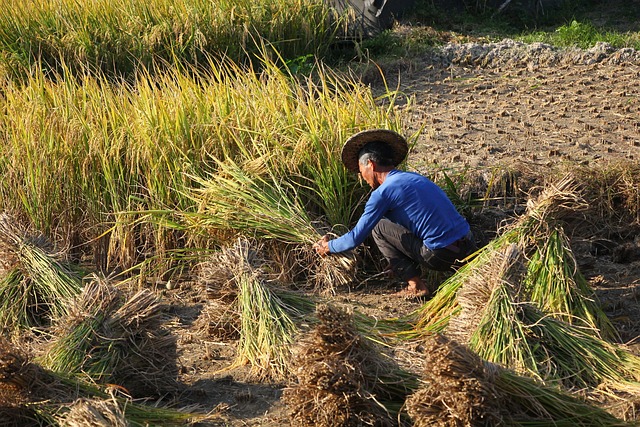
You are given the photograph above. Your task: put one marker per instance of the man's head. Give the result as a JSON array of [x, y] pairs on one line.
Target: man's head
[[384, 147], [378, 152]]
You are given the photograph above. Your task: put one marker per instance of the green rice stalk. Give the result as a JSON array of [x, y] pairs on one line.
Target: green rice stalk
[[555, 285], [435, 314], [266, 331], [268, 207], [266, 325], [81, 345], [502, 328]]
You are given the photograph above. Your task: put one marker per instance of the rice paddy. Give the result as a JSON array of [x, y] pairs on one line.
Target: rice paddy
[[164, 172]]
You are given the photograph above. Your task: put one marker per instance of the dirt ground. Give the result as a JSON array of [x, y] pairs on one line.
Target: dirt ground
[[477, 107]]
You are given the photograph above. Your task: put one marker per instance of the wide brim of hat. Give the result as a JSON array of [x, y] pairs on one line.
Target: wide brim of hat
[[354, 144]]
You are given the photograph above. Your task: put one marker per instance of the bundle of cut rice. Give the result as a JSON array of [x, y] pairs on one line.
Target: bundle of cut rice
[[95, 413], [31, 395], [265, 206], [34, 282], [552, 281], [110, 338], [463, 390], [343, 379], [502, 328]]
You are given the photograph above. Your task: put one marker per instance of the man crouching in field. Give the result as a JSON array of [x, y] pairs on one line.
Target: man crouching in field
[[411, 219]]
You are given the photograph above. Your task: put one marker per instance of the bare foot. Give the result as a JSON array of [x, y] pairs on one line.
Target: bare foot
[[412, 293], [416, 288]]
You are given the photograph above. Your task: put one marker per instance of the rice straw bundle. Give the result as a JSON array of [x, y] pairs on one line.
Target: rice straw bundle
[[539, 227], [79, 346], [109, 338], [489, 320], [435, 314], [461, 389], [47, 397], [94, 413], [577, 357], [456, 391], [503, 329], [267, 326], [269, 207], [344, 379], [555, 285], [35, 284]]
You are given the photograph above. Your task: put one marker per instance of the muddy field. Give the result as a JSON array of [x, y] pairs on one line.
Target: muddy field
[[527, 109]]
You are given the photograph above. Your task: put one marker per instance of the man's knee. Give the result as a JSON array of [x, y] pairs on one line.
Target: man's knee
[[378, 232]]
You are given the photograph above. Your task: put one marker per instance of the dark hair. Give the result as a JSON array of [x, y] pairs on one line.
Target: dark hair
[[378, 152]]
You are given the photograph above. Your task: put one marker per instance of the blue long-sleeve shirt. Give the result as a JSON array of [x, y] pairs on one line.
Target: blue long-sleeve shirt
[[416, 203]]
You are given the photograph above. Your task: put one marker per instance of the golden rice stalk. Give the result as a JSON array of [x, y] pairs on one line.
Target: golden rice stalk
[[343, 378], [460, 388]]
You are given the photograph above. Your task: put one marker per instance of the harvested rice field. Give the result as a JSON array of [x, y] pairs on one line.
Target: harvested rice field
[[160, 273], [520, 122]]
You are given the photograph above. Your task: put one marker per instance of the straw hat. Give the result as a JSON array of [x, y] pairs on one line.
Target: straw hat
[[354, 144]]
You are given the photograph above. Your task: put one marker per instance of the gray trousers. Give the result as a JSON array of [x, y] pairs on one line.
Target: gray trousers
[[405, 252]]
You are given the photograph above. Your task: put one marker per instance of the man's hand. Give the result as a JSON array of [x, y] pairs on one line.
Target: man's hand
[[322, 246]]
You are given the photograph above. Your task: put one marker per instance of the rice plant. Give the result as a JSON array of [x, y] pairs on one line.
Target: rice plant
[[160, 33], [90, 160]]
